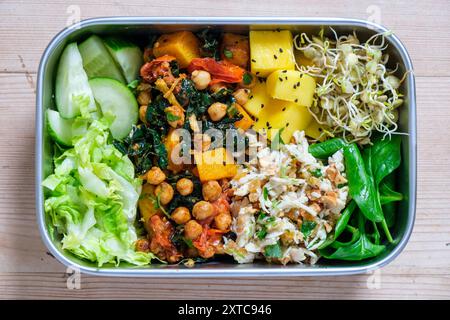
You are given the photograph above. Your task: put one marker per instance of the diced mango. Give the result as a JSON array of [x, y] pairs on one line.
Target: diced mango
[[302, 60], [291, 85], [215, 164], [246, 122], [257, 99], [270, 51], [283, 114], [315, 130], [183, 45]]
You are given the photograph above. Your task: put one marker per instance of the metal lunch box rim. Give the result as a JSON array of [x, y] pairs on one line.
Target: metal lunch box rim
[[225, 272]]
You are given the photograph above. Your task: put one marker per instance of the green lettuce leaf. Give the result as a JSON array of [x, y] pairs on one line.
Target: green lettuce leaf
[[91, 200]]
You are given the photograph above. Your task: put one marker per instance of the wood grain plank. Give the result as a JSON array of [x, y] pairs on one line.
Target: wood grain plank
[[27, 271], [423, 27]]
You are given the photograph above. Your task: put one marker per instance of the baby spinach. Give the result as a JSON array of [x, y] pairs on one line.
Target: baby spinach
[[361, 186], [386, 156], [361, 249], [327, 148]]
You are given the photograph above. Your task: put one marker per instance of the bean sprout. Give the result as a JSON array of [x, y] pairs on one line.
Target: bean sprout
[[356, 94]]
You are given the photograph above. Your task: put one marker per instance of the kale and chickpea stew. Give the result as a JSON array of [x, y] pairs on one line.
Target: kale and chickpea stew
[[206, 145]]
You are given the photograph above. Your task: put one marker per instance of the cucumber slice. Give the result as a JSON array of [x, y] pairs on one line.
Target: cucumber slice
[[60, 129], [115, 98], [72, 91], [127, 55], [97, 61]]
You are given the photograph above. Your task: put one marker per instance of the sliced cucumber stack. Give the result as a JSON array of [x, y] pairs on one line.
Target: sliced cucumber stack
[[127, 55], [72, 91], [60, 129], [97, 61], [116, 99]]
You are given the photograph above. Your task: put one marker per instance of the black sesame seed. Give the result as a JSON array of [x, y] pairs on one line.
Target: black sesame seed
[[257, 72], [284, 109], [284, 71], [251, 97], [296, 100], [298, 84], [281, 50], [295, 86], [286, 77], [253, 60], [278, 30], [275, 56], [262, 105], [281, 79], [287, 124], [267, 124], [224, 163]]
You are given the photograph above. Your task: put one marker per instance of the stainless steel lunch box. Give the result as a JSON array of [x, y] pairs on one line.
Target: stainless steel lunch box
[[140, 27]]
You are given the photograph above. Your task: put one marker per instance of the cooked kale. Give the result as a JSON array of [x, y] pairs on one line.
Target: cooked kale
[[185, 201], [141, 146], [209, 43]]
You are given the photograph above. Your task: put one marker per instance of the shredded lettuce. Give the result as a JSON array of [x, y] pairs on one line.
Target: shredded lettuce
[[92, 197]]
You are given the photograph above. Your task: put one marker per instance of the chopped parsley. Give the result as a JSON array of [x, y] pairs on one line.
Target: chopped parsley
[[307, 227], [273, 251]]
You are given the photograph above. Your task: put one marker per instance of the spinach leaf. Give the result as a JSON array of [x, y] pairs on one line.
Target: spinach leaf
[[387, 194], [368, 159], [361, 249], [361, 186], [386, 156], [273, 251], [327, 148]]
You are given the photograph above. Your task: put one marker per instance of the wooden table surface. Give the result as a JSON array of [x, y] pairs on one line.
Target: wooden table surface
[[28, 271]]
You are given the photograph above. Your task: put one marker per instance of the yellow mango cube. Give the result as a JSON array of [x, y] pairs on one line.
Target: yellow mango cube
[[315, 131], [183, 45], [291, 85], [215, 164], [257, 99], [270, 51], [285, 115]]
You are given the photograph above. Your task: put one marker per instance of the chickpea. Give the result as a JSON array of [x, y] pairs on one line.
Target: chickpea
[[222, 221], [165, 192], [201, 79], [192, 229], [144, 98], [185, 186], [211, 190], [241, 96], [181, 215], [155, 176], [217, 111], [175, 116], [202, 210], [142, 113]]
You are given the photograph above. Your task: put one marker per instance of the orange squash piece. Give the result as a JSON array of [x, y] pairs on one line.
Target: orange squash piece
[[215, 164], [183, 45], [246, 122]]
